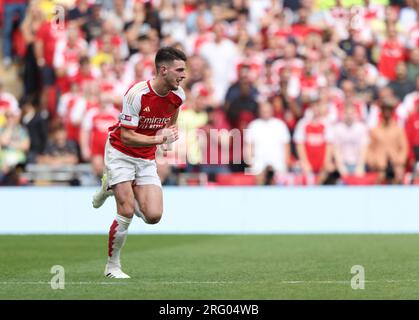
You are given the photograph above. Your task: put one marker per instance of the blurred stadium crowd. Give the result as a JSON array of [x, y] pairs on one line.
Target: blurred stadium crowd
[[323, 92]]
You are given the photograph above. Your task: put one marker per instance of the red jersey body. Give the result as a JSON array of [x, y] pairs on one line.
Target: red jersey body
[[145, 112], [391, 54], [314, 137], [49, 35]]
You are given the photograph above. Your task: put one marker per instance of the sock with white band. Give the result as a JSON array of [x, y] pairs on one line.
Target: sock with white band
[[117, 236]]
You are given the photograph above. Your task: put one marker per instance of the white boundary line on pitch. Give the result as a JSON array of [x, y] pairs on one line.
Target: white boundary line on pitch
[[126, 282]]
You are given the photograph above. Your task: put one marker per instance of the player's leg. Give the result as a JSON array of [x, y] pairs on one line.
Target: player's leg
[[148, 192], [120, 175], [118, 231], [150, 200]]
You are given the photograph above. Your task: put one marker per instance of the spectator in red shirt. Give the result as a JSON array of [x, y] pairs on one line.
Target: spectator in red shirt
[[85, 73], [301, 29], [391, 53], [94, 132], [67, 54], [46, 39], [313, 139]]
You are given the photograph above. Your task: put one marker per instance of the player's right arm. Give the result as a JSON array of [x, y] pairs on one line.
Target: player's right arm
[[131, 138]]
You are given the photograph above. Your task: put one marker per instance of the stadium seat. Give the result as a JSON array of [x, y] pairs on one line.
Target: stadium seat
[[368, 179], [296, 179], [235, 179], [193, 179]]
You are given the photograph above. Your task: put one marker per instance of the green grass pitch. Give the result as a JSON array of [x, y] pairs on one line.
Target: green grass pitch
[[213, 267]]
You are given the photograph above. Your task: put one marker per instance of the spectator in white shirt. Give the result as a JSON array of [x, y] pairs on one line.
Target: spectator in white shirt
[[221, 55], [350, 141], [267, 143]]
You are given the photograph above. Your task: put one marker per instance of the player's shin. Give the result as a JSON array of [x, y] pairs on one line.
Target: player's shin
[[117, 236]]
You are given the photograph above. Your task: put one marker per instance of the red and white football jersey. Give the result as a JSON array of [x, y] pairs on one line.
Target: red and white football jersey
[[68, 57], [392, 52], [314, 137], [97, 121], [146, 112], [71, 108], [295, 64]]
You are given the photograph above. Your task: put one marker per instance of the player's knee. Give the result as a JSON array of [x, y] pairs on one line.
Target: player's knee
[[126, 209], [153, 220], [153, 216]]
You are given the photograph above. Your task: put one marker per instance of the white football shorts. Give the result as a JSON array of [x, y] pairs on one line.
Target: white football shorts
[[121, 167]]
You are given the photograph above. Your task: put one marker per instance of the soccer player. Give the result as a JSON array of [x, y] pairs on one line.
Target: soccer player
[[149, 113]]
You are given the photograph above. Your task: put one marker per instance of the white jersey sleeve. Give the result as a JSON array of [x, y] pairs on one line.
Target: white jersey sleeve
[[131, 105]]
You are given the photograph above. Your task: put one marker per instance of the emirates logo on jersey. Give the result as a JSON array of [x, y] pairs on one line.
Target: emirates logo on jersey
[[315, 139], [153, 122]]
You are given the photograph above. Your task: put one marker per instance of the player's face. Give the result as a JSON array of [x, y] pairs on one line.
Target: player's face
[[175, 73]]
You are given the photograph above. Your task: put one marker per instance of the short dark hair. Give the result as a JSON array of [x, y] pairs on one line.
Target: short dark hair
[[168, 54]]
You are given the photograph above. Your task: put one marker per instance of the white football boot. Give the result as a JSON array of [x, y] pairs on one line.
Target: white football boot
[[102, 194], [115, 272]]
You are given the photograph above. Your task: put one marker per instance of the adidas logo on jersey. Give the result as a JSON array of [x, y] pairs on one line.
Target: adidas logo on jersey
[[147, 109]]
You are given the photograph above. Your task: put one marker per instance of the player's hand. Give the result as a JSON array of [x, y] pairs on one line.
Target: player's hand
[[170, 134]]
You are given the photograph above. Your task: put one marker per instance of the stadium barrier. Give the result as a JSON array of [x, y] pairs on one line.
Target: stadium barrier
[[220, 210]]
